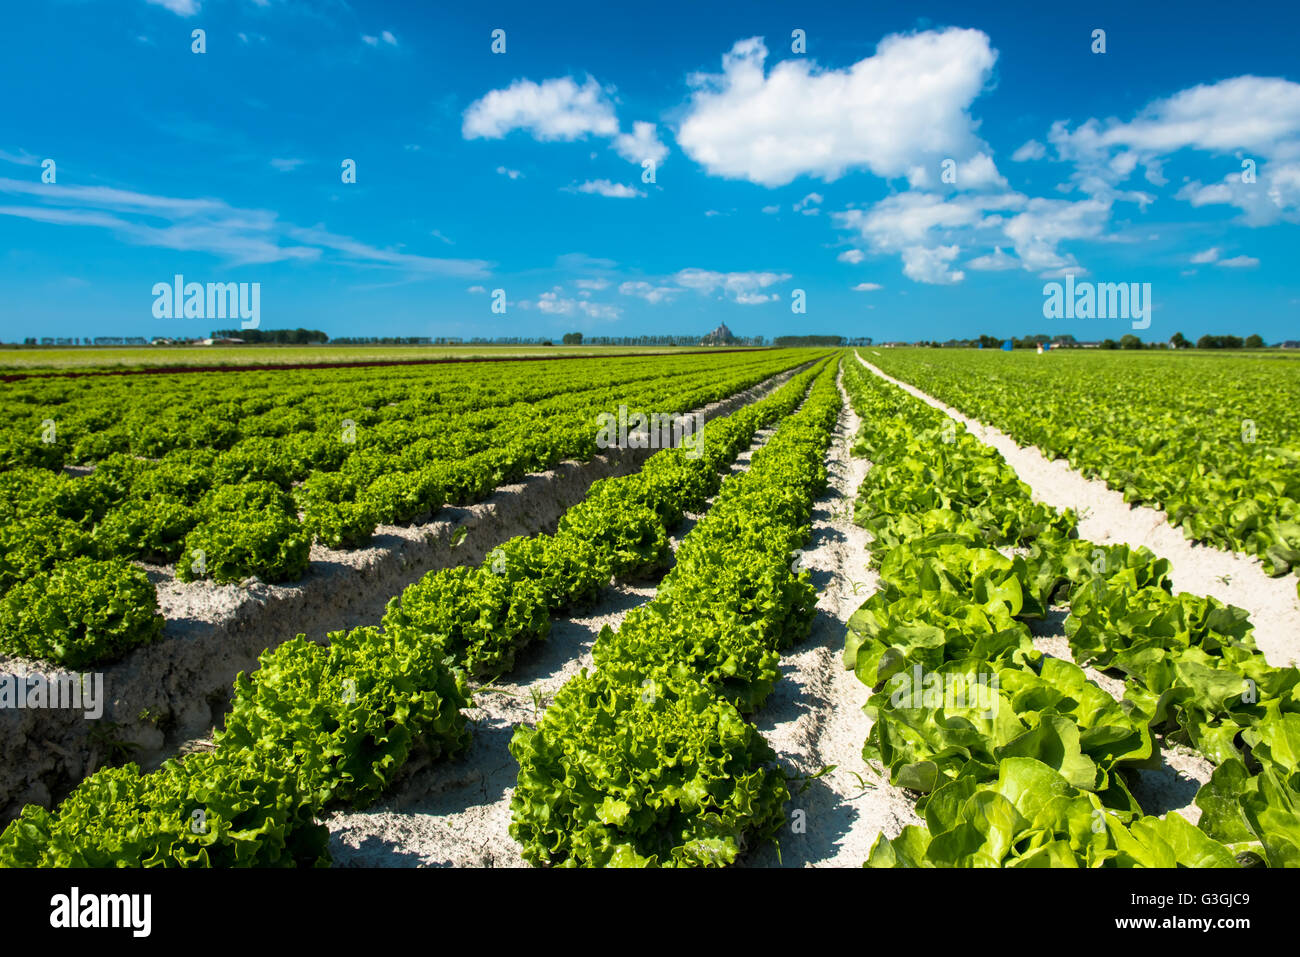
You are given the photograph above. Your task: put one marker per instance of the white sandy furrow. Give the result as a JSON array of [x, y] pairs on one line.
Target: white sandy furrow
[[814, 718], [1105, 518]]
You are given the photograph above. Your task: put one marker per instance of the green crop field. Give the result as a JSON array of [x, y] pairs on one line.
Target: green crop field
[[332, 575], [85, 358], [1212, 440]]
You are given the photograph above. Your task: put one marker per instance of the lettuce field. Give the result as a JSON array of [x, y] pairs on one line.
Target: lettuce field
[[382, 615]]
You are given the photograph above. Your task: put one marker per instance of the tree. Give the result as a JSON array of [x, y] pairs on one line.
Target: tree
[[1130, 341], [1109, 344], [1254, 342], [572, 339], [1180, 341]]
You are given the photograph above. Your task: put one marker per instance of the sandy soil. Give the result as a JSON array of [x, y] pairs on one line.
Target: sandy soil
[[457, 814], [1107, 519], [814, 718]]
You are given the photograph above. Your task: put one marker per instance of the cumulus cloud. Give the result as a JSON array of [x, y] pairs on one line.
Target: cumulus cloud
[[1239, 262], [742, 287], [1273, 197], [930, 265], [603, 187], [867, 287], [558, 109], [922, 227], [1031, 150], [853, 256], [1257, 116], [641, 144], [1209, 256], [994, 261], [1045, 223], [904, 107], [554, 304], [808, 205], [650, 292], [512, 173]]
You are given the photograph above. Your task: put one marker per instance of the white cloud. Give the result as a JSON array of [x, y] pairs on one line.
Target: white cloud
[[806, 204], [978, 172], [603, 187], [370, 41], [557, 109], [1246, 112], [906, 219], [1257, 116], [931, 265], [238, 236], [1273, 197], [641, 144], [477, 289], [182, 8], [853, 256], [287, 165], [742, 287], [994, 261], [555, 304], [388, 38], [512, 173], [1045, 223], [904, 107], [648, 291], [1209, 256], [769, 210], [560, 109], [1239, 262], [1031, 150], [915, 224], [867, 287], [595, 284], [21, 158]]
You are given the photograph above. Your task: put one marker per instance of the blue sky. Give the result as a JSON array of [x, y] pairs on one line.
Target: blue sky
[[774, 171]]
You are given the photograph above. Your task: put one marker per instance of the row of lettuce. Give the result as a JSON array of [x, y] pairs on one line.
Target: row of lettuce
[[72, 591], [1019, 758], [1213, 441], [323, 725], [650, 760]]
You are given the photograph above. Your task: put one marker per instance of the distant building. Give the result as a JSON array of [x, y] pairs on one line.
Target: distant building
[[719, 337], [1289, 344]]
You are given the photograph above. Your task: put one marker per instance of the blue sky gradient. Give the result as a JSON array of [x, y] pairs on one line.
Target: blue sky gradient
[[820, 171]]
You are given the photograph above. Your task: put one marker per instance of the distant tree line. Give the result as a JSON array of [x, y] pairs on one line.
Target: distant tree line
[[808, 341], [382, 341], [1127, 341], [291, 337]]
